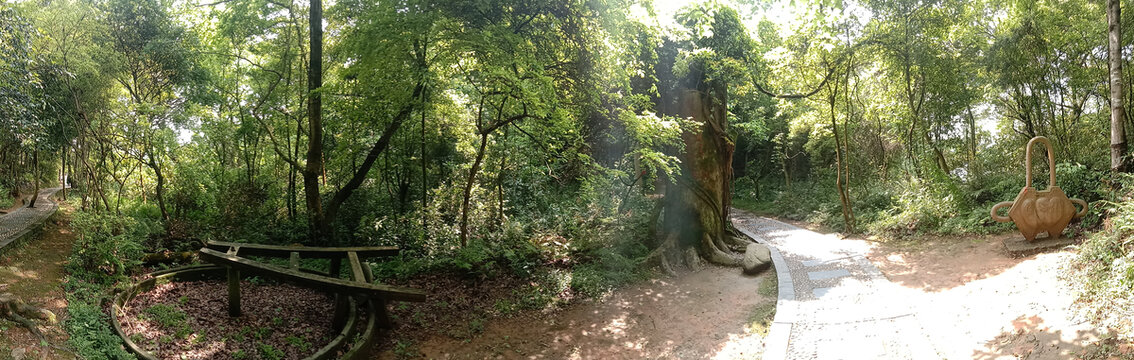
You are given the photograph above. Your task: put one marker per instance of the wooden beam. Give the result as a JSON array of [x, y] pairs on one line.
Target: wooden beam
[[329, 284], [356, 267], [307, 252]]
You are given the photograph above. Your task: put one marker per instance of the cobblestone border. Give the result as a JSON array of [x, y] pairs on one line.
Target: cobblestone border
[[32, 229], [776, 343]]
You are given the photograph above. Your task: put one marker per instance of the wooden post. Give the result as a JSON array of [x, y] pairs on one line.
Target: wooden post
[[366, 269], [293, 262], [336, 267], [356, 271], [233, 292], [340, 317]]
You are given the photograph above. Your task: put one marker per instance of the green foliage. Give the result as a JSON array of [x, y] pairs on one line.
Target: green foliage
[[268, 352], [89, 329], [87, 325], [1104, 268], [108, 245], [170, 318]]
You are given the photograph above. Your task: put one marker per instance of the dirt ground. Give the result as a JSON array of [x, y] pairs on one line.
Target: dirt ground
[[987, 304], [34, 273], [188, 320], [711, 313]]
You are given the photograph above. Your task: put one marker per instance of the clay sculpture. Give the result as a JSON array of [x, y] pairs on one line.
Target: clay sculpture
[[1036, 211]]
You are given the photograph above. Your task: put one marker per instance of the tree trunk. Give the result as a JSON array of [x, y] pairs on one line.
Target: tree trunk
[[63, 172], [468, 189], [1117, 109], [159, 190], [424, 175], [697, 206], [35, 175], [318, 232]]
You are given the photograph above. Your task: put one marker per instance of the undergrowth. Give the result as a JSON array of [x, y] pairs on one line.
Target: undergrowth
[[1103, 272], [107, 250], [902, 207]]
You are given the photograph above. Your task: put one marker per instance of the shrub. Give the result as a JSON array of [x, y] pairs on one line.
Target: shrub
[[108, 244], [1104, 267]]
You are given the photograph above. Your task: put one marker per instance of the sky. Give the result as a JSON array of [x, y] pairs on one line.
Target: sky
[[781, 12]]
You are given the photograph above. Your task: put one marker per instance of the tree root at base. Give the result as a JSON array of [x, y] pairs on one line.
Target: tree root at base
[[14, 309], [716, 255]]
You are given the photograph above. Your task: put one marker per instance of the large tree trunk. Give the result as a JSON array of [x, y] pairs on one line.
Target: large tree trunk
[[697, 205], [1117, 109], [318, 232]]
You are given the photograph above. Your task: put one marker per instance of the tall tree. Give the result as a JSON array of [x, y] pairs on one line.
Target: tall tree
[[315, 216], [1117, 108]]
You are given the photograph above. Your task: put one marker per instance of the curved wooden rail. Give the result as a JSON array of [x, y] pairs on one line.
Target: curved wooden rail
[[304, 251], [331, 284]]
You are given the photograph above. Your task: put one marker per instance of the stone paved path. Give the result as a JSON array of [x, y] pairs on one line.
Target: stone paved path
[[834, 304], [19, 222]]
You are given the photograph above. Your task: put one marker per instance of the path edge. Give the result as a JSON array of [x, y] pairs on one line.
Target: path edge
[[776, 343], [32, 230]]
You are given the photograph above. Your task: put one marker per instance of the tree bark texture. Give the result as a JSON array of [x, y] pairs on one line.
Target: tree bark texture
[[314, 164], [697, 205], [1117, 108]]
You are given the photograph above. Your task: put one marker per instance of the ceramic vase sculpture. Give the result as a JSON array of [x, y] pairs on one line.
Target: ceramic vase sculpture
[[1036, 211]]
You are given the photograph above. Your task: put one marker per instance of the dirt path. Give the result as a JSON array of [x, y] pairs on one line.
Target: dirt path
[[981, 303], [712, 313], [971, 298], [34, 273]]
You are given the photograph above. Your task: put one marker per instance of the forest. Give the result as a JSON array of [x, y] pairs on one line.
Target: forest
[[460, 170]]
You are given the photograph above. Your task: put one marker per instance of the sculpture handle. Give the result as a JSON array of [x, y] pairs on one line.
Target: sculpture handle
[[996, 208], [1050, 161], [1082, 203]]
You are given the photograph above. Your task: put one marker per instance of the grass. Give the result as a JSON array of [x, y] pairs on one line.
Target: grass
[[170, 317], [760, 320], [770, 286], [6, 201]]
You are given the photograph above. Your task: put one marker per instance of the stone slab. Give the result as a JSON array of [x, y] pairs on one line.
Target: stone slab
[[1018, 245], [827, 274]]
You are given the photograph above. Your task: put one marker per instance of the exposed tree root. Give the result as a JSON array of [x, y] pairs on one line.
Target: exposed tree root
[[660, 258], [14, 309], [714, 254]]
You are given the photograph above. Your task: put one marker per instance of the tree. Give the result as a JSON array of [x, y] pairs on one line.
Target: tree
[[155, 69], [1117, 108], [698, 201]]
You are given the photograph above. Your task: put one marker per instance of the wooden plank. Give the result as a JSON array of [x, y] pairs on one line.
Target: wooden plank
[[294, 261], [234, 250], [330, 284], [356, 267], [306, 252]]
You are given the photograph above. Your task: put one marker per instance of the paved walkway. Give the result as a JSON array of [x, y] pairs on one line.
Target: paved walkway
[[833, 303], [17, 223]]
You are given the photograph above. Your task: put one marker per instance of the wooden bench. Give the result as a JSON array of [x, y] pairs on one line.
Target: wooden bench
[[232, 256]]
